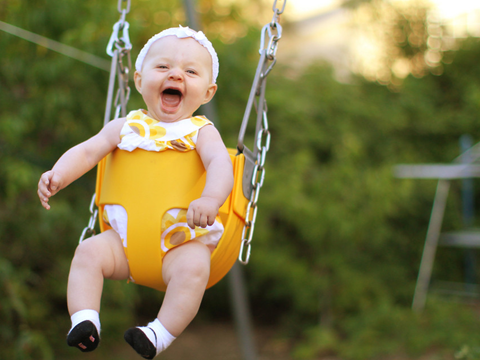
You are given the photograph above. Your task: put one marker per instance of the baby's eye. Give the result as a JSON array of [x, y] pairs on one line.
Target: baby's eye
[[162, 67], [190, 71]]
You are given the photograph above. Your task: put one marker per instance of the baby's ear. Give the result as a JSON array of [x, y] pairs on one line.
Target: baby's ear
[[212, 89], [137, 78]]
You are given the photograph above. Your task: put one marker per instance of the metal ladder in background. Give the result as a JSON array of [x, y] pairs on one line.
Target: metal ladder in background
[[465, 167]]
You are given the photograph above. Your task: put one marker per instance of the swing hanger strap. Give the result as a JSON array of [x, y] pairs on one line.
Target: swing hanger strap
[[254, 101], [120, 72]]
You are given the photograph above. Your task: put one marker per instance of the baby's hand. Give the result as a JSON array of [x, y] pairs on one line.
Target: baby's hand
[[48, 186], [202, 212]]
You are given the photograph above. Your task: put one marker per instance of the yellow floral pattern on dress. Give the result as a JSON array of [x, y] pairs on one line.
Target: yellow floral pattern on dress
[[160, 136], [175, 230]]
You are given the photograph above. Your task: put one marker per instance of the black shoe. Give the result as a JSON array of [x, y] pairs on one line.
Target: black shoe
[[84, 336], [140, 343]]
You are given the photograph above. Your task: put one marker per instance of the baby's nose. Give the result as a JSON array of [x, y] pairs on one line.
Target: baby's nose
[[175, 74]]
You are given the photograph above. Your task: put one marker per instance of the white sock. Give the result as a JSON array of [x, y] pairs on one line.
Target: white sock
[[158, 335], [86, 314]]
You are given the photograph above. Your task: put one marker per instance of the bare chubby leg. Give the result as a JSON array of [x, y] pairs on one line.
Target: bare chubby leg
[[97, 258], [186, 270]]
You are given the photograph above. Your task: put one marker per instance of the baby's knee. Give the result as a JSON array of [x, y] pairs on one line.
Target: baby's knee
[[89, 250], [188, 264], [193, 272], [103, 252], [197, 268]]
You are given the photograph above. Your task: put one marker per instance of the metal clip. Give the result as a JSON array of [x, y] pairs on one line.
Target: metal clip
[[90, 228], [122, 43]]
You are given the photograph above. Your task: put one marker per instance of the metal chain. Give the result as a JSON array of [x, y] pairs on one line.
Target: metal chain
[[118, 48], [258, 178], [268, 53], [274, 30], [89, 230]]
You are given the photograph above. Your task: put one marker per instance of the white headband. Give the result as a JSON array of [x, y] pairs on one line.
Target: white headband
[[181, 33]]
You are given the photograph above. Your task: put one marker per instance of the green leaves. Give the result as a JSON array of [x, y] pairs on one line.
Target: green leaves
[[338, 240]]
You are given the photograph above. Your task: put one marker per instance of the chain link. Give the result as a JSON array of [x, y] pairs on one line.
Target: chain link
[[126, 10], [276, 10], [89, 230]]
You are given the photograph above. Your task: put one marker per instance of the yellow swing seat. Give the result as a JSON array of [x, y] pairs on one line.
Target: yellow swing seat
[[147, 184]]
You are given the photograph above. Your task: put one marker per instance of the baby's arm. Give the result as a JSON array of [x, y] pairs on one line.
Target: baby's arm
[[78, 160], [219, 181]]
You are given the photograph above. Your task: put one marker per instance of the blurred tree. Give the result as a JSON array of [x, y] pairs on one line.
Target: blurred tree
[[338, 238], [48, 103], [408, 38]]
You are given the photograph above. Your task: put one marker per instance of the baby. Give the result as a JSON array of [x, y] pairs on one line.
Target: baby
[[176, 72]]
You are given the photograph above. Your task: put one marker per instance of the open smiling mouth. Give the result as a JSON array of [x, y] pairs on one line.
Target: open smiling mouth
[[171, 98]]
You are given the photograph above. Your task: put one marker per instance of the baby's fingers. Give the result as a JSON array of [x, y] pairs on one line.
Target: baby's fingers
[[202, 221], [43, 200], [195, 217], [54, 183], [44, 181], [47, 187], [190, 216]]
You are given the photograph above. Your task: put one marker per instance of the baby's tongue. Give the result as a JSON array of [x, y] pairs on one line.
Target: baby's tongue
[[171, 99]]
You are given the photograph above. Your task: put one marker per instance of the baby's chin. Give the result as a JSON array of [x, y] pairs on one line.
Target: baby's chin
[[169, 117]]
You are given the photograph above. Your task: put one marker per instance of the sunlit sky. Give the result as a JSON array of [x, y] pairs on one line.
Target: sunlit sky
[[299, 9], [453, 8], [448, 8], [356, 50]]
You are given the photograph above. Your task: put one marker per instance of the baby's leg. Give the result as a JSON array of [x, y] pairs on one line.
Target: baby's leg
[[96, 258], [186, 270]]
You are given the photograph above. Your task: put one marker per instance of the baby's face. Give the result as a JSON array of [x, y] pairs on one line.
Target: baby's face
[[176, 78]]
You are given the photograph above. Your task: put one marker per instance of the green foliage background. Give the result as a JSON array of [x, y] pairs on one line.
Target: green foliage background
[[338, 239]]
